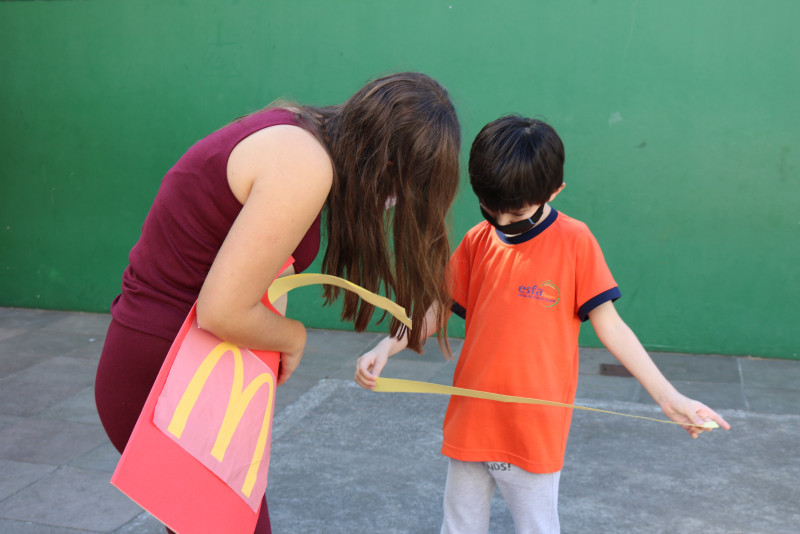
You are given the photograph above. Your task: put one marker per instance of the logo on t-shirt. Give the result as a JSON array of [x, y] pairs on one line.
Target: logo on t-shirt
[[547, 293]]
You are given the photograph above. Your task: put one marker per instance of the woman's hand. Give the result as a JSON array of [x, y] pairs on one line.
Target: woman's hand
[[291, 359], [682, 409], [289, 362]]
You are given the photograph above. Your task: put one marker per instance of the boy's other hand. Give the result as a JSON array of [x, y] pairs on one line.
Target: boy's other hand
[[682, 409], [369, 367]]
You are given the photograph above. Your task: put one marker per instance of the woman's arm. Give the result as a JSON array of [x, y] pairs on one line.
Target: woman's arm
[[283, 176], [625, 346]]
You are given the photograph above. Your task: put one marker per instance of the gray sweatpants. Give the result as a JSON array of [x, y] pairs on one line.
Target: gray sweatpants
[[531, 498]]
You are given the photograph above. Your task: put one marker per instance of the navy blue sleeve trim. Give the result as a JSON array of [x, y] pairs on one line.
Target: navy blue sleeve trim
[[612, 295], [459, 310]]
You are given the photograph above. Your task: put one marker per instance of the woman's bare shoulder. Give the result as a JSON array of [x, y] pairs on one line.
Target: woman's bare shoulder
[[283, 153]]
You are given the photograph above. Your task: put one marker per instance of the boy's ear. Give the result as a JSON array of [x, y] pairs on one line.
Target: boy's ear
[[556, 192]]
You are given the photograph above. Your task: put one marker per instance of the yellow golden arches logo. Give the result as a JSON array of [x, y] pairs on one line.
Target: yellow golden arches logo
[[240, 399]]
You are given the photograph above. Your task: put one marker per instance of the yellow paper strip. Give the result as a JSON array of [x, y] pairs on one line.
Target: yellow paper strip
[[396, 385], [284, 284]]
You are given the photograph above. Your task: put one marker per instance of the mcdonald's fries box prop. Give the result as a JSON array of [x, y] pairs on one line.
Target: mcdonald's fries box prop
[[198, 456]]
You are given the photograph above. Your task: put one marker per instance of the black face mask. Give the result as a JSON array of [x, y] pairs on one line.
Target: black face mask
[[519, 227]]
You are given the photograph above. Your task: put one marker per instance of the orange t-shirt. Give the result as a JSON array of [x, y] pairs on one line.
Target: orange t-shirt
[[523, 299]]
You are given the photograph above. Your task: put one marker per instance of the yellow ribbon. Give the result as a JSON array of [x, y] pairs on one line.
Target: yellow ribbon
[[284, 284], [396, 385]]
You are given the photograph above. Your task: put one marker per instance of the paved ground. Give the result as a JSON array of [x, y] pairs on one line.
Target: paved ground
[[345, 460]]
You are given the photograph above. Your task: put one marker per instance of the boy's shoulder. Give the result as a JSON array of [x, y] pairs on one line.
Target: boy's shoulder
[[569, 224], [481, 230]]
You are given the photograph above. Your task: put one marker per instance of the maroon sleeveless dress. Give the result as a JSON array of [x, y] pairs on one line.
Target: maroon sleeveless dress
[[190, 218], [187, 223]]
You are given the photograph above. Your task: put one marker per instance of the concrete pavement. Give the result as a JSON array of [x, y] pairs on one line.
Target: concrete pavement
[[346, 460]]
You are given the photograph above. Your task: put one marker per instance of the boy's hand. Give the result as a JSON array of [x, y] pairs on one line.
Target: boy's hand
[[682, 409], [369, 366]]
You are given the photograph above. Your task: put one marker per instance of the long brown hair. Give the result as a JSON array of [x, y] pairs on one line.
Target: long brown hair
[[398, 137]]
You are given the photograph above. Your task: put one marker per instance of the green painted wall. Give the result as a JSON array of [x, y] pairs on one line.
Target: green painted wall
[[680, 121]]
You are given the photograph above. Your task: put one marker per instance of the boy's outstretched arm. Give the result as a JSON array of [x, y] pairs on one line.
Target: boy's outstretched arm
[[370, 365], [625, 346]]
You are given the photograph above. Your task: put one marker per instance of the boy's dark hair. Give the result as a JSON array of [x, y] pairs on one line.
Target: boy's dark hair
[[516, 162]]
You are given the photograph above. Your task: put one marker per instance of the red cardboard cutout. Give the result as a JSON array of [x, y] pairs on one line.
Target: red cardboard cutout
[[206, 371], [178, 476]]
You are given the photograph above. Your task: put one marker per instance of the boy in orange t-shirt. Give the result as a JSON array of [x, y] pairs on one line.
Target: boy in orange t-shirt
[[524, 281]]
